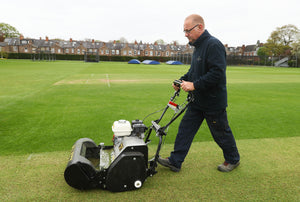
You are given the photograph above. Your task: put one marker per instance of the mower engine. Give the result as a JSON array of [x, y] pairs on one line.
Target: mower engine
[[120, 167]]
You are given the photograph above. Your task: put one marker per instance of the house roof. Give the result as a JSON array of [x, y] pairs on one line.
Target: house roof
[[250, 48], [3, 44], [12, 41]]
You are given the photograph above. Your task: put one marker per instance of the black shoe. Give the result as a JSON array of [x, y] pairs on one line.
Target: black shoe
[[167, 163]]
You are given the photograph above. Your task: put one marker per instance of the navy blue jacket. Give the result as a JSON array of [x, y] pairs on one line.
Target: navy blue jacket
[[208, 73]]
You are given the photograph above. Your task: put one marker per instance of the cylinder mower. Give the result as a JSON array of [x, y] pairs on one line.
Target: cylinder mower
[[124, 165]]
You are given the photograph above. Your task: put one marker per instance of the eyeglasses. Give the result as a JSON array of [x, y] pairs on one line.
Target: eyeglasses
[[189, 30]]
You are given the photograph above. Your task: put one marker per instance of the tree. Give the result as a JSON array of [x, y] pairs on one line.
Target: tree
[[281, 39], [9, 31], [274, 48], [296, 45], [160, 42], [296, 49], [286, 34], [123, 40], [262, 52]]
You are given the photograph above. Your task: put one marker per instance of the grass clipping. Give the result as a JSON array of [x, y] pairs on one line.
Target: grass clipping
[[269, 170]]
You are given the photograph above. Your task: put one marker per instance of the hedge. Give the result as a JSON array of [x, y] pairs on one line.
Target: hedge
[[81, 57]]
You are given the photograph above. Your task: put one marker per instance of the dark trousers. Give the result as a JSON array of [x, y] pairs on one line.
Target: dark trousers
[[219, 128]]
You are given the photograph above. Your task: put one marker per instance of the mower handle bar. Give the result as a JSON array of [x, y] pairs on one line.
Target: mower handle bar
[[160, 131]]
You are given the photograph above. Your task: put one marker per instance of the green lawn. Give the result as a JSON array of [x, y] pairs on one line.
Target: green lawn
[[46, 106], [269, 171]]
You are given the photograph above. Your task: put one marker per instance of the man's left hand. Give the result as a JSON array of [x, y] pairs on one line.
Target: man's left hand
[[187, 86]]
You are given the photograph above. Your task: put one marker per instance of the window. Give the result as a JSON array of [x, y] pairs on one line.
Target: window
[[52, 50], [59, 50], [167, 53], [78, 51], [112, 52], [130, 52], [72, 50], [26, 50], [146, 53], [117, 52], [67, 50], [107, 52], [124, 52], [151, 53]]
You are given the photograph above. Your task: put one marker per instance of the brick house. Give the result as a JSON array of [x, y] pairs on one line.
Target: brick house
[[148, 50], [169, 51], [12, 45], [115, 48], [79, 48], [25, 45], [174, 51], [230, 51], [240, 50], [127, 50], [251, 50]]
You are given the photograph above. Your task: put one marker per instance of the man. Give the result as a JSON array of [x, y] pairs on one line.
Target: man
[[206, 78]]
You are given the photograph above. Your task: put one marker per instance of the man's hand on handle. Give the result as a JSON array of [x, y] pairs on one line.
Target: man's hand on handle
[[187, 86]]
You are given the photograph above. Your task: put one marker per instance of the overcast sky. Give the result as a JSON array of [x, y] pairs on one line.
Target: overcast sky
[[234, 22]]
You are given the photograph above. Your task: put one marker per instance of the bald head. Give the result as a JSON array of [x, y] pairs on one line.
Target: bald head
[[195, 19], [193, 27]]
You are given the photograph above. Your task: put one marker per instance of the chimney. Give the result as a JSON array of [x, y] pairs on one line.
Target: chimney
[[174, 43], [21, 37], [1, 36], [243, 49], [71, 40], [47, 39], [93, 41]]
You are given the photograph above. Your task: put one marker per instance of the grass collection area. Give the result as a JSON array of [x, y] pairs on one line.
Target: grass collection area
[[46, 106]]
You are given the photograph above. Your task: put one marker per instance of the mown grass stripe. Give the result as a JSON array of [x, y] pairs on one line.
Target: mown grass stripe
[[269, 171]]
